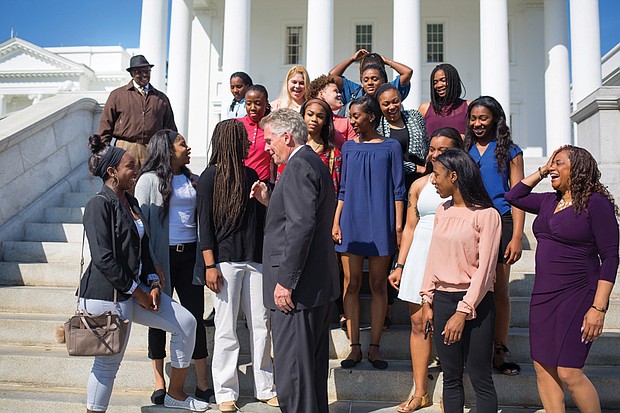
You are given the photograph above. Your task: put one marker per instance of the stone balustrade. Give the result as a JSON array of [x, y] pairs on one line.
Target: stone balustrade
[[40, 147]]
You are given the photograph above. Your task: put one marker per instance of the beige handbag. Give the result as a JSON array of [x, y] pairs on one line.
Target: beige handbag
[[94, 335]]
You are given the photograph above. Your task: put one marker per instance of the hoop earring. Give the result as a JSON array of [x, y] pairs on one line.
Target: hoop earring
[[115, 182]]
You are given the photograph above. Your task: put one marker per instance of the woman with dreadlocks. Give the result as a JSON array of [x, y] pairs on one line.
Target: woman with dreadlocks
[[231, 241], [446, 108], [167, 196], [576, 266]]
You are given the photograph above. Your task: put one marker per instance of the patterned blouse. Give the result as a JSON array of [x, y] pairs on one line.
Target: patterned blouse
[[418, 139], [333, 160]]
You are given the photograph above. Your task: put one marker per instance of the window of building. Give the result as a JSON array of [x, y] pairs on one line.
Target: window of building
[[363, 37], [293, 45], [434, 43]]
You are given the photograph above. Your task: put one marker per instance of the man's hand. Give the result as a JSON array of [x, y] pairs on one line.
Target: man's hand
[[283, 298], [260, 191]]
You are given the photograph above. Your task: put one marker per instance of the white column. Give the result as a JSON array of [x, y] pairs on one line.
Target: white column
[[154, 39], [236, 53], [320, 35], [557, 76], [407, 45], [2, 105], [179, 61], [585, 36], [494, 52]]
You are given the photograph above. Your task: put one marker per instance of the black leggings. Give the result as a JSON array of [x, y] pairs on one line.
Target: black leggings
[[191, 297], [475, 349]]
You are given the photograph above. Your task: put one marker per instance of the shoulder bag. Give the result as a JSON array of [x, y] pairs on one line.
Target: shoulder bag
[[94, 335]]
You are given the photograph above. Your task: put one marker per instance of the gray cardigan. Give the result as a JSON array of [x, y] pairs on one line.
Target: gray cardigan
[[151, 203]]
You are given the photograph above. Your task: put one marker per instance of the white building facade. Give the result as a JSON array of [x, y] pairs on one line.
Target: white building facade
[[514, 50]]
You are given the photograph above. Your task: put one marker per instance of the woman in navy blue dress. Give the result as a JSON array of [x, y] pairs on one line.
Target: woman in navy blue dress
[[576, 264], [368, 221]]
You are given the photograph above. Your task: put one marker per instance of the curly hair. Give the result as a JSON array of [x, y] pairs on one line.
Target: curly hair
[[318, 84], [585, 179], [500, 131]]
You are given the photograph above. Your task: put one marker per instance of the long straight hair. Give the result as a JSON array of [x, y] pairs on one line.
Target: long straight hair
[[158, 153], [469, 179], [229, 146]]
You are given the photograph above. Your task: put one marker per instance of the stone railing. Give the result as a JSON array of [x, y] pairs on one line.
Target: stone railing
[[40, 147], [598, 122]]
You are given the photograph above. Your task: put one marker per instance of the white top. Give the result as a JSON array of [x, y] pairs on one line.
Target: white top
[[182, 211]]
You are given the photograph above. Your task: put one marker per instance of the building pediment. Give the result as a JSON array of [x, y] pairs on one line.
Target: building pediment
[[22, 59]]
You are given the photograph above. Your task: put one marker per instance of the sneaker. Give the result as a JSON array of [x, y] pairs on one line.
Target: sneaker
[[190, 403]]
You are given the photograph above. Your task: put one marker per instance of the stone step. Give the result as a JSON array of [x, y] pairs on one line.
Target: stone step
[[22, 398], [54, 232], [89, 186], [395, 345], [27, 329], [28, 398], [53, 368], [37, 251], [59, 301], [64, 214], [396, 382], [75, 199], [39, 274]]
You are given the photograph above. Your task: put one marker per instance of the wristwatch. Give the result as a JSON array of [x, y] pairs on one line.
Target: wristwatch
[[399, 265], [208, 267]]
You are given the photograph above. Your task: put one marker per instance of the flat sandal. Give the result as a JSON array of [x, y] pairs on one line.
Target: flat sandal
[[405, 407]]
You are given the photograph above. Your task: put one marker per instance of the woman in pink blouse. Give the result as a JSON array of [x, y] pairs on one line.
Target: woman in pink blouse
[[457, 291]]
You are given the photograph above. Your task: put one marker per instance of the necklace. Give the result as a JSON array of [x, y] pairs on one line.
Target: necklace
[[563, 204], [316, 147]]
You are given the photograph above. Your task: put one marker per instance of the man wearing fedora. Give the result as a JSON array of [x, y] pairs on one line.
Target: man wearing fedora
[[134, 112]]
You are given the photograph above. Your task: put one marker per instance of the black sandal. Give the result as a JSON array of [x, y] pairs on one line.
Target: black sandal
[[378, 364], [350, 363], [507, 368]]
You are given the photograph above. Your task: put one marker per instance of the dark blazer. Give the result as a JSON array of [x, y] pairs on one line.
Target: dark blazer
[[105, 272], [298, 251]]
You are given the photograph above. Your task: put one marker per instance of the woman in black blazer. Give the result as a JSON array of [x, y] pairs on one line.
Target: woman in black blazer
[[121, 277]]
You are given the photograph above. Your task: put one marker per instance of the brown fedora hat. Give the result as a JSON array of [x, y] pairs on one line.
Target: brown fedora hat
[[138, 61]]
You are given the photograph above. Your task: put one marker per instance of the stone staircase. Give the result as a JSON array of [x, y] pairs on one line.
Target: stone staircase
[[37, 284]]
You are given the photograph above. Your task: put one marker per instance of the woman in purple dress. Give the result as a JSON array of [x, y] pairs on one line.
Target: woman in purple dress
[[576, 264]]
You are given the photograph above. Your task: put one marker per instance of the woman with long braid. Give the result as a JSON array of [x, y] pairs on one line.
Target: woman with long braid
[[231, 241]]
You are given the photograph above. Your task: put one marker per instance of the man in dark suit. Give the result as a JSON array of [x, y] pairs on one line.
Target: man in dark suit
[[300, 271]]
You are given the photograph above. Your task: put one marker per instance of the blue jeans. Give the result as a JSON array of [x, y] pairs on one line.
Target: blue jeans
[[170, 316]]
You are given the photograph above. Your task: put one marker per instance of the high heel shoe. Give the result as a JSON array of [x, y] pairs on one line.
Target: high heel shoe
[[350, 363], [378, 364]]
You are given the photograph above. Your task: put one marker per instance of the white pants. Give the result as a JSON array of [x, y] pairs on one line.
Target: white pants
[[170, 316], [243, 285]]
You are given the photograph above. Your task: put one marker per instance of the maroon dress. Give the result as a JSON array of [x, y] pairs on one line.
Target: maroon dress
[[574, 252], [454, 116]]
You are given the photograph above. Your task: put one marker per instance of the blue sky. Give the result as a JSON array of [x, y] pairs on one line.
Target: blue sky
[[117, 22]]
